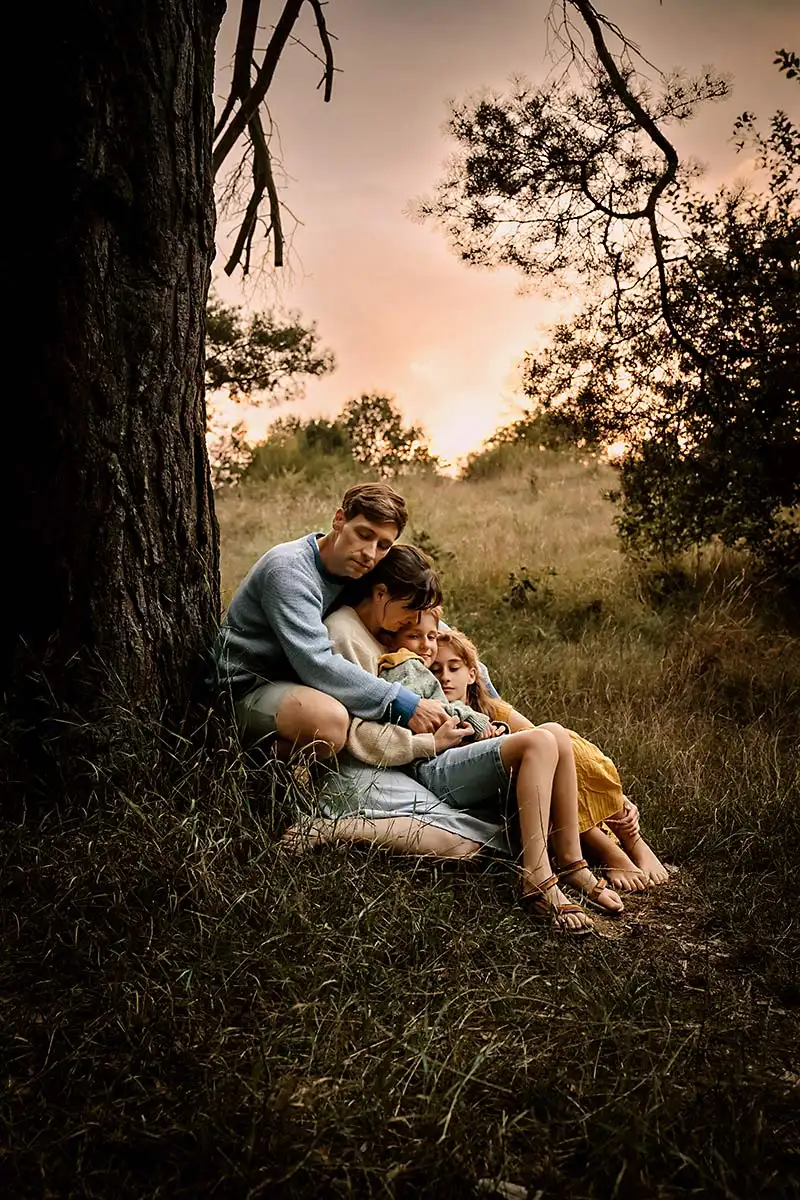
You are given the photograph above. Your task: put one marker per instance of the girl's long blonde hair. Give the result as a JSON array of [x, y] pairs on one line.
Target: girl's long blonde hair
[[477, 693]]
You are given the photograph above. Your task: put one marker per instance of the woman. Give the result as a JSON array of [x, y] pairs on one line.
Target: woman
[[394, 809]]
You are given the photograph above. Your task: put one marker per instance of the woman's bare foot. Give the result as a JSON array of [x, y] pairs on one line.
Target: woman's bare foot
[[299, 838], [621, 871], [648, 863], [596, 891]]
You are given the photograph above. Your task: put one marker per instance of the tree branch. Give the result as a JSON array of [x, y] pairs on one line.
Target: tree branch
[[249, 94], [648, 125], [263, 180], [325, 38], [250, 103]]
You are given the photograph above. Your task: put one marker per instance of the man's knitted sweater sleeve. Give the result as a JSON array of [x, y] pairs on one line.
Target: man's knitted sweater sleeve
[[295, 605]]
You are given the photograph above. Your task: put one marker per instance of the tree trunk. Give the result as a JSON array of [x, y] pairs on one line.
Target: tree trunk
[[115, 587]]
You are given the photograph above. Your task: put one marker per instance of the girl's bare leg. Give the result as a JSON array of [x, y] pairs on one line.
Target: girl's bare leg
[[564, 833], [532, 759], [405, 835]]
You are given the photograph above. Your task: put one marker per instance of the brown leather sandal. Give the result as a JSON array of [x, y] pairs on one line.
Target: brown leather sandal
[[581, 864], [538, 906]]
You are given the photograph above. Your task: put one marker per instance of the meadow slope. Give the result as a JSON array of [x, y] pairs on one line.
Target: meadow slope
[[194, 1012]]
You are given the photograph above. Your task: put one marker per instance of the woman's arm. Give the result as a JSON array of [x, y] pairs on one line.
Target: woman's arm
[[387, 745], [377, 743]]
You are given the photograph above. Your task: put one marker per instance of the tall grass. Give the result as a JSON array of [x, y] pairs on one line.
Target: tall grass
[[189, 1010]]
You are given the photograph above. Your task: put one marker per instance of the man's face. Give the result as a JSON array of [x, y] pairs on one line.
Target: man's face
[[359, 544]]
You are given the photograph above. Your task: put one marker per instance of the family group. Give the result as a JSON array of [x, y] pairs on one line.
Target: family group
[[335, 645]]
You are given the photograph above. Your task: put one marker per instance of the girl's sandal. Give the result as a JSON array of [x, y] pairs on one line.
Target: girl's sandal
[[581, 864], [539, 907]]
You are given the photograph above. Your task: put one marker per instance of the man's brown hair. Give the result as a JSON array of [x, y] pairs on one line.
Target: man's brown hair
[[377, 502]]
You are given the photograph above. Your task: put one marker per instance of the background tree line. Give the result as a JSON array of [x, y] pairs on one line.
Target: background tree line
[[112, 506]]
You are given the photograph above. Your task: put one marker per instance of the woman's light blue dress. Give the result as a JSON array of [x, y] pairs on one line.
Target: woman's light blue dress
[[378, 793]]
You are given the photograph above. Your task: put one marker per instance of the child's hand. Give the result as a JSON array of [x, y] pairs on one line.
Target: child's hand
[[492, 730], [628, 823]]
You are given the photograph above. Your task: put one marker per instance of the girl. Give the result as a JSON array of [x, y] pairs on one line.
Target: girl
[[630, 864]]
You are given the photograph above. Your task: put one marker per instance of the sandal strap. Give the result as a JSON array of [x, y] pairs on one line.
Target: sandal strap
[[572, 868], [537, 893], [599, 887], [541, 888]]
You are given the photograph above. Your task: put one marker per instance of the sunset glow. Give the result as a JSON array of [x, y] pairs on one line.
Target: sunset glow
[[403, 315]]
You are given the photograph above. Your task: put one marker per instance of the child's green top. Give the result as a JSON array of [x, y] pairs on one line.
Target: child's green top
[[408, 669]]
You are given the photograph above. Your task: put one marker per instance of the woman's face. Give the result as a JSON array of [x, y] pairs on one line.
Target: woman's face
[[391, 614], [453, 673]]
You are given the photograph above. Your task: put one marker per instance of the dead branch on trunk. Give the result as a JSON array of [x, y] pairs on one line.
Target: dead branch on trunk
[[241, 118], [596, 23]]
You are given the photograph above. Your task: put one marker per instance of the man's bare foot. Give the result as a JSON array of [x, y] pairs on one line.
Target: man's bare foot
[[648, 863], [596, 891]]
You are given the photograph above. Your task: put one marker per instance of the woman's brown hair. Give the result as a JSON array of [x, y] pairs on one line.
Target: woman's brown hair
[[407, 574]]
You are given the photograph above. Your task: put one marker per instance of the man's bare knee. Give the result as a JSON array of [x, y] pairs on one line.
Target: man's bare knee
[[330, 723], [308, 717], [334, 730]]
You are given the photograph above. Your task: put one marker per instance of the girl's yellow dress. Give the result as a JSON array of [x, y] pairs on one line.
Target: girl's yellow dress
[[600, 792]]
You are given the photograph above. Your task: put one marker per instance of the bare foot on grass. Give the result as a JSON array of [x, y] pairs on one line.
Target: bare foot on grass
[[299, 838], [648, 863], [626, 880], [622, 872]]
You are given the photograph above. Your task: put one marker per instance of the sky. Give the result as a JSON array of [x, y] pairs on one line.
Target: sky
[[402, 314]]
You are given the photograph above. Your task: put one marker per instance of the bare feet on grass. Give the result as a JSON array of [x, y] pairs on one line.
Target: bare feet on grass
[[648, 863], [622, 872]]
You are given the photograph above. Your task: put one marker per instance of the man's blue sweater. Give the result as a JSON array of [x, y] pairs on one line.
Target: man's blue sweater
[[273, 631]]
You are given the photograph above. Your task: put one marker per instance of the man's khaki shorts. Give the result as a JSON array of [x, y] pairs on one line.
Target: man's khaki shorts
[[257, 712]]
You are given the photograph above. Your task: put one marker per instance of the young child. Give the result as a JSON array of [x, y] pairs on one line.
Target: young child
[[409, 664], [630, 864]]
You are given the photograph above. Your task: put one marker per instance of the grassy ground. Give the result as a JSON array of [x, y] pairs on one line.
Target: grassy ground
[[192, 1012]]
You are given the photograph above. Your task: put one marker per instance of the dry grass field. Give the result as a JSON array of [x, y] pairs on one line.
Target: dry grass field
[[193, 1012]]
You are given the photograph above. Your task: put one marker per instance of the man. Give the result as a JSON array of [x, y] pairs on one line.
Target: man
[[273, 655]]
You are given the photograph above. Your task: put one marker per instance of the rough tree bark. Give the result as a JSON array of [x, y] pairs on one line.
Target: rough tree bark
[[114, 542]]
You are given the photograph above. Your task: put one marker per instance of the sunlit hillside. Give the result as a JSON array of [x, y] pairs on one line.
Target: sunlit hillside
[[195, 1010]]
